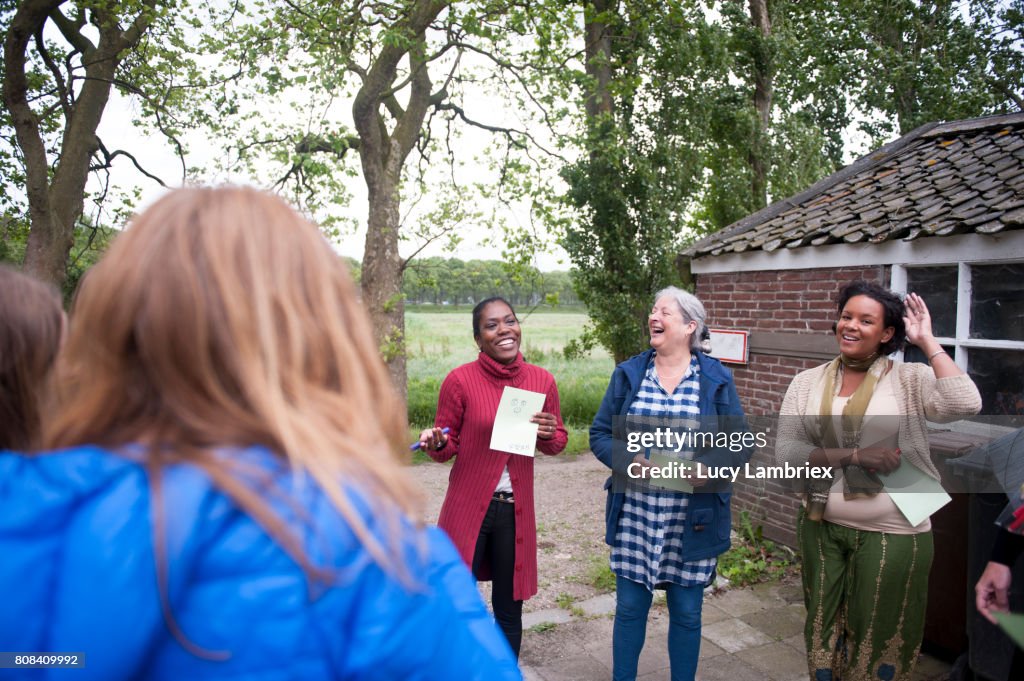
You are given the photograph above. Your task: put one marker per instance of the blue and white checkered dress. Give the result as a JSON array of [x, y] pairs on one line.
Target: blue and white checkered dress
[[649, 539]]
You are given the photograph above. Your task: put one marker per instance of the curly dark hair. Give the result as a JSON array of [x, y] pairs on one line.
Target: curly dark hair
[[891, 303]]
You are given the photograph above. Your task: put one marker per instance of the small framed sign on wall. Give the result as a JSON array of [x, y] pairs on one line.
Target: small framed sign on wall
[[729, 346]]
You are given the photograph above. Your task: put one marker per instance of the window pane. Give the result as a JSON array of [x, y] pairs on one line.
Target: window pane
[[997, 302], [912, 353], [999, 375], [937, 285]]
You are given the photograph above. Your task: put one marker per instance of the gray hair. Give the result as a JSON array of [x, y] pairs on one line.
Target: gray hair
[[692, 309]]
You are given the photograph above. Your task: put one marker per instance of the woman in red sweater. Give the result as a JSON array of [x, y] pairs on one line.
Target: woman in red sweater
[[488, 511]]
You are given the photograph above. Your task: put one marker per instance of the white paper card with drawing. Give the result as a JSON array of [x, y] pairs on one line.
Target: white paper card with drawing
[[513, 432]]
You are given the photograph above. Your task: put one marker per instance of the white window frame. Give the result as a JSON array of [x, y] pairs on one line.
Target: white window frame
[[961, 342]]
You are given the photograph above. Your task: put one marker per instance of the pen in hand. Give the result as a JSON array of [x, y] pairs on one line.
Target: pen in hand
[[416, 445]]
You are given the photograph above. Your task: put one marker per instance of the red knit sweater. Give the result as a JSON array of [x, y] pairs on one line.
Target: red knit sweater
[[467, 405]]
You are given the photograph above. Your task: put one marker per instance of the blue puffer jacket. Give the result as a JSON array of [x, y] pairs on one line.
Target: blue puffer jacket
[[78, 573], [708, 520]]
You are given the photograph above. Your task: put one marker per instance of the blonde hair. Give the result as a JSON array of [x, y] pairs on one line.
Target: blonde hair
[[222, 319]]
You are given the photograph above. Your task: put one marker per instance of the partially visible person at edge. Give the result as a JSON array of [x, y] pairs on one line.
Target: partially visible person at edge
[[864, 566], [665, 539], [488, 510], [31, 327], [992, 592], [228, 498]]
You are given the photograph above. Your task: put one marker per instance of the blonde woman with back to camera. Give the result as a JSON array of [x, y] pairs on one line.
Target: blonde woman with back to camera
[[227, 496]]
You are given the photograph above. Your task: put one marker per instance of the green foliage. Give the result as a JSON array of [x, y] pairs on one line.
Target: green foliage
[[579, 439], [752, 558], [451, 281], [13, 238], [568, 602], [632, 186], [422, 399], [542, 628], [581, 385], [157, 54], [90, 243], [296, 70], [625, 248], [942, 60], [393, 345], [600, 575], [581, 346], [709, 116]]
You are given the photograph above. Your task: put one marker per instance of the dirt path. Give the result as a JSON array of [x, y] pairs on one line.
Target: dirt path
[[570, 522]]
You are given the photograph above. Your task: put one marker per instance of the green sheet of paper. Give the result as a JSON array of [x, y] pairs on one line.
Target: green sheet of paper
[[512, 430], [914, 492], [679, 484], [1013, 624]]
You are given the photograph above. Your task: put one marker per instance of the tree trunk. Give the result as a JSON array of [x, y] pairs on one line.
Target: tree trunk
[[598, 36], [55, 205], [763, 74], [382, 276], [382, 154]]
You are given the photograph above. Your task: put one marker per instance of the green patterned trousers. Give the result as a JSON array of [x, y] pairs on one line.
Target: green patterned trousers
[[865, 594]]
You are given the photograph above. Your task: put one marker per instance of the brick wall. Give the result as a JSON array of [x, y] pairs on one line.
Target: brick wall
[[796, 301]]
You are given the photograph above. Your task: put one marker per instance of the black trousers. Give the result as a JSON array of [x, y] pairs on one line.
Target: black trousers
[[496, 546]]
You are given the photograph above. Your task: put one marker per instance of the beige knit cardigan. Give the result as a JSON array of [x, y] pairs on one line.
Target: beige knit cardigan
[[918, 393]]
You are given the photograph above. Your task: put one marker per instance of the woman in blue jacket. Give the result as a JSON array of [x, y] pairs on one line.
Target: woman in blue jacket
[[663, 536], [227, 498]]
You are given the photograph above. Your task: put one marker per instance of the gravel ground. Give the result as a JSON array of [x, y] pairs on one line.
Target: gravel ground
[[570, 523]]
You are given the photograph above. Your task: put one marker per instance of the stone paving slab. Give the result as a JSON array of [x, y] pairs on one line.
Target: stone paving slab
[[778, 623], [708, 650], [727, 668], [776, 661], [599, 605], [575, 668], [797, 642], [739, 602], [791, 593], [549, 616], [748, 635], [711, 613], [595, 635], [735, 635]]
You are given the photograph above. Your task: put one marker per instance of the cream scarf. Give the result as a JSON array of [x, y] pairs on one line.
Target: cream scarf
[[859, 481]]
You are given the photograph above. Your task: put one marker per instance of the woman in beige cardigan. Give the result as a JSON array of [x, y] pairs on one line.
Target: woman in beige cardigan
[[865, 565]]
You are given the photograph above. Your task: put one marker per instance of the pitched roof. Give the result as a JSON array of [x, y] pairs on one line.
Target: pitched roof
[[938, 180]]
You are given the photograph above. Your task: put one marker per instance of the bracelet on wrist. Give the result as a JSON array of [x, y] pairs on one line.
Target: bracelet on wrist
[[936, 354]]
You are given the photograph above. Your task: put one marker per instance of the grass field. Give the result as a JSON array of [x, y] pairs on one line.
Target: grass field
[[440, 341]]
